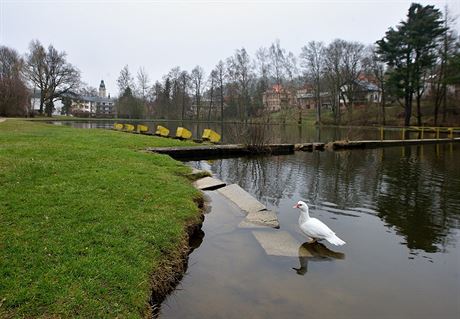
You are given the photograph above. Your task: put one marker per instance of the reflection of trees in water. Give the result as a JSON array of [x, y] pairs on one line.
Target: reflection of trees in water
[[415, 191], [417, 195], [265, 177]]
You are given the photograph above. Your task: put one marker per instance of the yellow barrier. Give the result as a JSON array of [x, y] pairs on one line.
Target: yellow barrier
[[182, 132], [118, 126], [422, 130], [142, 128], [129, 127], [162, 131], [210, 135]]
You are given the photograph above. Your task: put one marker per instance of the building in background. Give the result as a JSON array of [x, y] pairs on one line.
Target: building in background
[[34, 109], [94, 106], [277, 97]]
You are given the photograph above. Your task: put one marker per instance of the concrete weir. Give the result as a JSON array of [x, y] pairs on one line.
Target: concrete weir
[[208, 183], [280, 243], [220, 151], [235, 150], [257, 213], [338, 145]]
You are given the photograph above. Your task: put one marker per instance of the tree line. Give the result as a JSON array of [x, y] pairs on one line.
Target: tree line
[[420, 54], [44, 70]]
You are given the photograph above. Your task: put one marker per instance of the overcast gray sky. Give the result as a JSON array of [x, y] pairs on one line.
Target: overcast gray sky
[[100, 37]]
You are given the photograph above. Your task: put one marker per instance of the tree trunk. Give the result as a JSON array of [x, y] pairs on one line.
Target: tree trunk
[[221, 103], [318, 102], [42, 103], [419, 112], [210, 107], [183, 107], [444, 103], [198, 106], [383, 107], [407, 109], [49, 108], [299, 121]]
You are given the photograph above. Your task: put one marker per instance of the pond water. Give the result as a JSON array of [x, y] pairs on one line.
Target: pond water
[[273, 133], [397, 208]]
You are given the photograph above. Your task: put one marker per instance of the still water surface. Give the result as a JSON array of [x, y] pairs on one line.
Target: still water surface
[[397, 209], [274, 133]]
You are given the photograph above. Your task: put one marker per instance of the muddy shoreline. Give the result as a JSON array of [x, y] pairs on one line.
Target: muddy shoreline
[[173, 267]]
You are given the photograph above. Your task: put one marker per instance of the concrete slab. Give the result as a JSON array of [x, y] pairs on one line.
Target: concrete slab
[[208, 183], [262, 218], [280, 243], [248, 225], [241, 198]]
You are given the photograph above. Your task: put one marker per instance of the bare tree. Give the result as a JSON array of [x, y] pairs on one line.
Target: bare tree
[[125, 80], [290, 65], [312, 57], [333, 73], [277, 56], [185, 85], [142, 83], [282, 67], [262, 66], [351, 68], [156, 98], [239, 70], [292, 74], [373, 65], [212, 83], [197, 76], [35, 67], [220, 77], [262, 63], [174, 77], [51, 73], [87, 90], [13, 91], [446, 49]]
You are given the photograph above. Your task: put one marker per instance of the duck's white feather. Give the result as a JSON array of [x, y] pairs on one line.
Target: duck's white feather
[[315, 228]]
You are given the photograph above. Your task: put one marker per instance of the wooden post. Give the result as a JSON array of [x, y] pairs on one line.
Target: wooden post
[[437, 133], [381, 133], [403, 135], [421, 135]]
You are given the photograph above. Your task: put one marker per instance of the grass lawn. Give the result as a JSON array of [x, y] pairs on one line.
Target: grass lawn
[[85, 219]]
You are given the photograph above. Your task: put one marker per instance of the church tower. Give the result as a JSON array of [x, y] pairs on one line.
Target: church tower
[[102, 91]]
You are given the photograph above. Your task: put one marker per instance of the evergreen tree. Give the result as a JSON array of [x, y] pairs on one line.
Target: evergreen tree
[[129, 106], [409, 51]]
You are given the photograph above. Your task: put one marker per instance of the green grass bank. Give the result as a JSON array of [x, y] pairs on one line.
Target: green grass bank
[[86, 220]]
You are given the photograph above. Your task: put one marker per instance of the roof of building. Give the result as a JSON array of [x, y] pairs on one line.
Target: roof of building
[[369, 86], [96, 99]]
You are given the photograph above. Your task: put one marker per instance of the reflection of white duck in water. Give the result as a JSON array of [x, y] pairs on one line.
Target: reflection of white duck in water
[[315, 252], [314, 228]]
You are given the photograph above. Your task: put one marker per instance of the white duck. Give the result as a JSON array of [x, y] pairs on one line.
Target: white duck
[[315, 228]]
